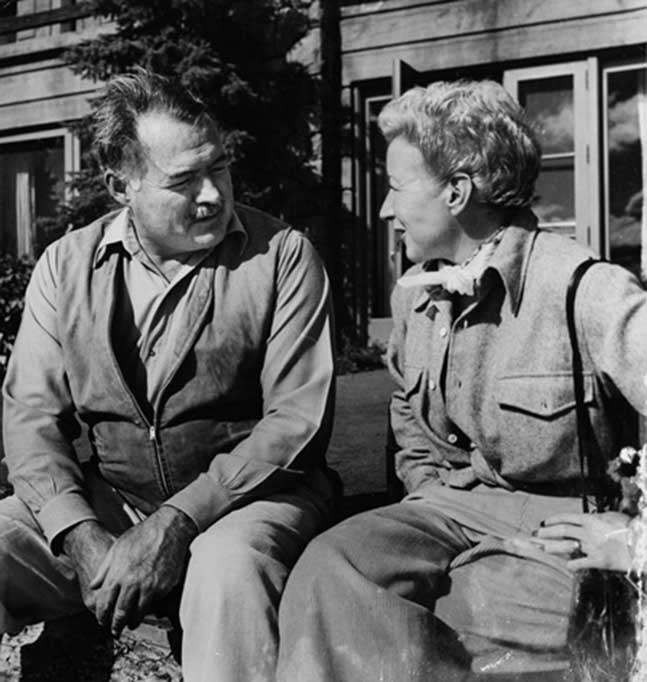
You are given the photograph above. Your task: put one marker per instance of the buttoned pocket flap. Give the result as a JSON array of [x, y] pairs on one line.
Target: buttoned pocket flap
[[544, 395]]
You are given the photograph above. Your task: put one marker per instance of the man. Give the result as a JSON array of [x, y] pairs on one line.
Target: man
[[455, 575], [193, 338]]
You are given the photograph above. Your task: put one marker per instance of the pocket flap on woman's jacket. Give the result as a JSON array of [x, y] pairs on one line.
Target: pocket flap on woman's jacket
[[544, 395]]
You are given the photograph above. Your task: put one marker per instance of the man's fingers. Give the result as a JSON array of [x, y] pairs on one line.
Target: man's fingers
[[125, 608], [105, 604], [139, 610]]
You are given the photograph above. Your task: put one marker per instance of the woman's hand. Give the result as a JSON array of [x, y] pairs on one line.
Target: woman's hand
[[591, 540]]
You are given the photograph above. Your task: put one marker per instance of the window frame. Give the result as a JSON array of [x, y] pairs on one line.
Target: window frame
[[616, 67], [71, 149], [586, 139]]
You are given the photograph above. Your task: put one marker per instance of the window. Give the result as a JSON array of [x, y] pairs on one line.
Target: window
[[624, 91], [557, 98], [592, 183], [32, 171], [21, 8], [7, 11]]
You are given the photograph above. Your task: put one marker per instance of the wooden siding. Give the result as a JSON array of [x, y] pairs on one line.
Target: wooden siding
[[43, 93], [456, 33]]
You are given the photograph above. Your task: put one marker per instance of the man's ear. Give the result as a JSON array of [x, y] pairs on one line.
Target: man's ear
[[459, 192], [117, 186]]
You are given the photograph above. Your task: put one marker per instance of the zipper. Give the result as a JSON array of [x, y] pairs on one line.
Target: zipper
[[153, 436], [154, 440]]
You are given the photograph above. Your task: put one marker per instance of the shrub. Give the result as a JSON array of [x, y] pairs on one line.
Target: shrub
[[14, 277], [352, 358]]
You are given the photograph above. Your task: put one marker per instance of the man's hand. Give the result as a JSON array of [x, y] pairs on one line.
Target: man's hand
[[144, 564], [87, 545], [591, 540]]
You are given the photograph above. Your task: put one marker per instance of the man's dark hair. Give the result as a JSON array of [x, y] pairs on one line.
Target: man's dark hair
[[123, 100]]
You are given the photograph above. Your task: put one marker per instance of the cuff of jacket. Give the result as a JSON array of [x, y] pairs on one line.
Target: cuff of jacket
[[61, 513], [202, 501]]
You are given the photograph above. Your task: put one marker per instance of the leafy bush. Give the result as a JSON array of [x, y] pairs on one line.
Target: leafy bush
[[352, 358], [14, 277]]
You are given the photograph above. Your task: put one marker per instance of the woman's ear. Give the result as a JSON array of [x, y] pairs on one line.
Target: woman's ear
[[459, 192], [117, 186]]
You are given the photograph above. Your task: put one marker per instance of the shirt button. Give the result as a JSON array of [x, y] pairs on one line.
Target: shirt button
[[151, 353], [432, 385], [452, 438], [443, 332], [472, 445]]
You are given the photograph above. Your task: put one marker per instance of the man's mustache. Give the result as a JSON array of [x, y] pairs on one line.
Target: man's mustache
[[203, 211]]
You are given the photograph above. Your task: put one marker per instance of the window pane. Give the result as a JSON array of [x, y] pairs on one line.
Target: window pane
[[626, 104], [31, 176], [549, 104], [554, 200], [7, 11]]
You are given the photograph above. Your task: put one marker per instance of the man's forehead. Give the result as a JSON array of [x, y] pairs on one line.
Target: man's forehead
[[167, 139]]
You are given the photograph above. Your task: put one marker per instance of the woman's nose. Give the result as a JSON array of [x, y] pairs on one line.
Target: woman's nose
[[386, 210]]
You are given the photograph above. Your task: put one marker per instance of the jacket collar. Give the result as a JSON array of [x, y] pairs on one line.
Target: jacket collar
[[510, 260], [512, 256]]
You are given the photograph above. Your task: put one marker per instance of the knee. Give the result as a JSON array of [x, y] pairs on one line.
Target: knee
[[225, 561], [328, 559]]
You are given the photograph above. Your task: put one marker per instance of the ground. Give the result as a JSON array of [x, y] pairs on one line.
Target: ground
[[75, 651]]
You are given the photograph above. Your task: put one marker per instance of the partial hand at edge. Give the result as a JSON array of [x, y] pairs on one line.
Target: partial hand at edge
[[601, 538], [144, 564]]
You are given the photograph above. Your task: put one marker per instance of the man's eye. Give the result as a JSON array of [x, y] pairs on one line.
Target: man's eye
[[179, 184], [218, 169]]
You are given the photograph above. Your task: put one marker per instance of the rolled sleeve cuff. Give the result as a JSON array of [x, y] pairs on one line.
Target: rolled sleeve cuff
[[202, 501], [62, 513]]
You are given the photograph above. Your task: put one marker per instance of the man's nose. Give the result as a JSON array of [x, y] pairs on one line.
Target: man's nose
[[386, 210], [208, 192]]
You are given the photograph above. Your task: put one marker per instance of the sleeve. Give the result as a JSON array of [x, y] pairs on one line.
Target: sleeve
[[287, 446], [416, 460], [612, 319], [39, 423]]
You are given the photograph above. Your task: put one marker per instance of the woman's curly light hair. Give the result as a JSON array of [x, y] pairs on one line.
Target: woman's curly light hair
[[473, 127]]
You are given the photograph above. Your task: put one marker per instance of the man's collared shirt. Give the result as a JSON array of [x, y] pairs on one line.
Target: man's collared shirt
[[149, 311]]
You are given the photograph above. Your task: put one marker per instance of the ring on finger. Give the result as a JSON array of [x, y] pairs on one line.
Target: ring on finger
[[577, 549]]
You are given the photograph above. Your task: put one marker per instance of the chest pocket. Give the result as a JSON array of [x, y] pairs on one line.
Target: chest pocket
[[546, 396]]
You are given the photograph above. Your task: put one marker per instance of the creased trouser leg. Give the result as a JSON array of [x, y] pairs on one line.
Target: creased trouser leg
[[34, 584], [358, 605], [234, 582]]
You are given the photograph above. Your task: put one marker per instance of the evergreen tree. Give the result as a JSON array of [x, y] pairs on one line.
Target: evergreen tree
[[234, 55]]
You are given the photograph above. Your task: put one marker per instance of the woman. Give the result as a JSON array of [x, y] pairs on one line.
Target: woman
[[454, 575]]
